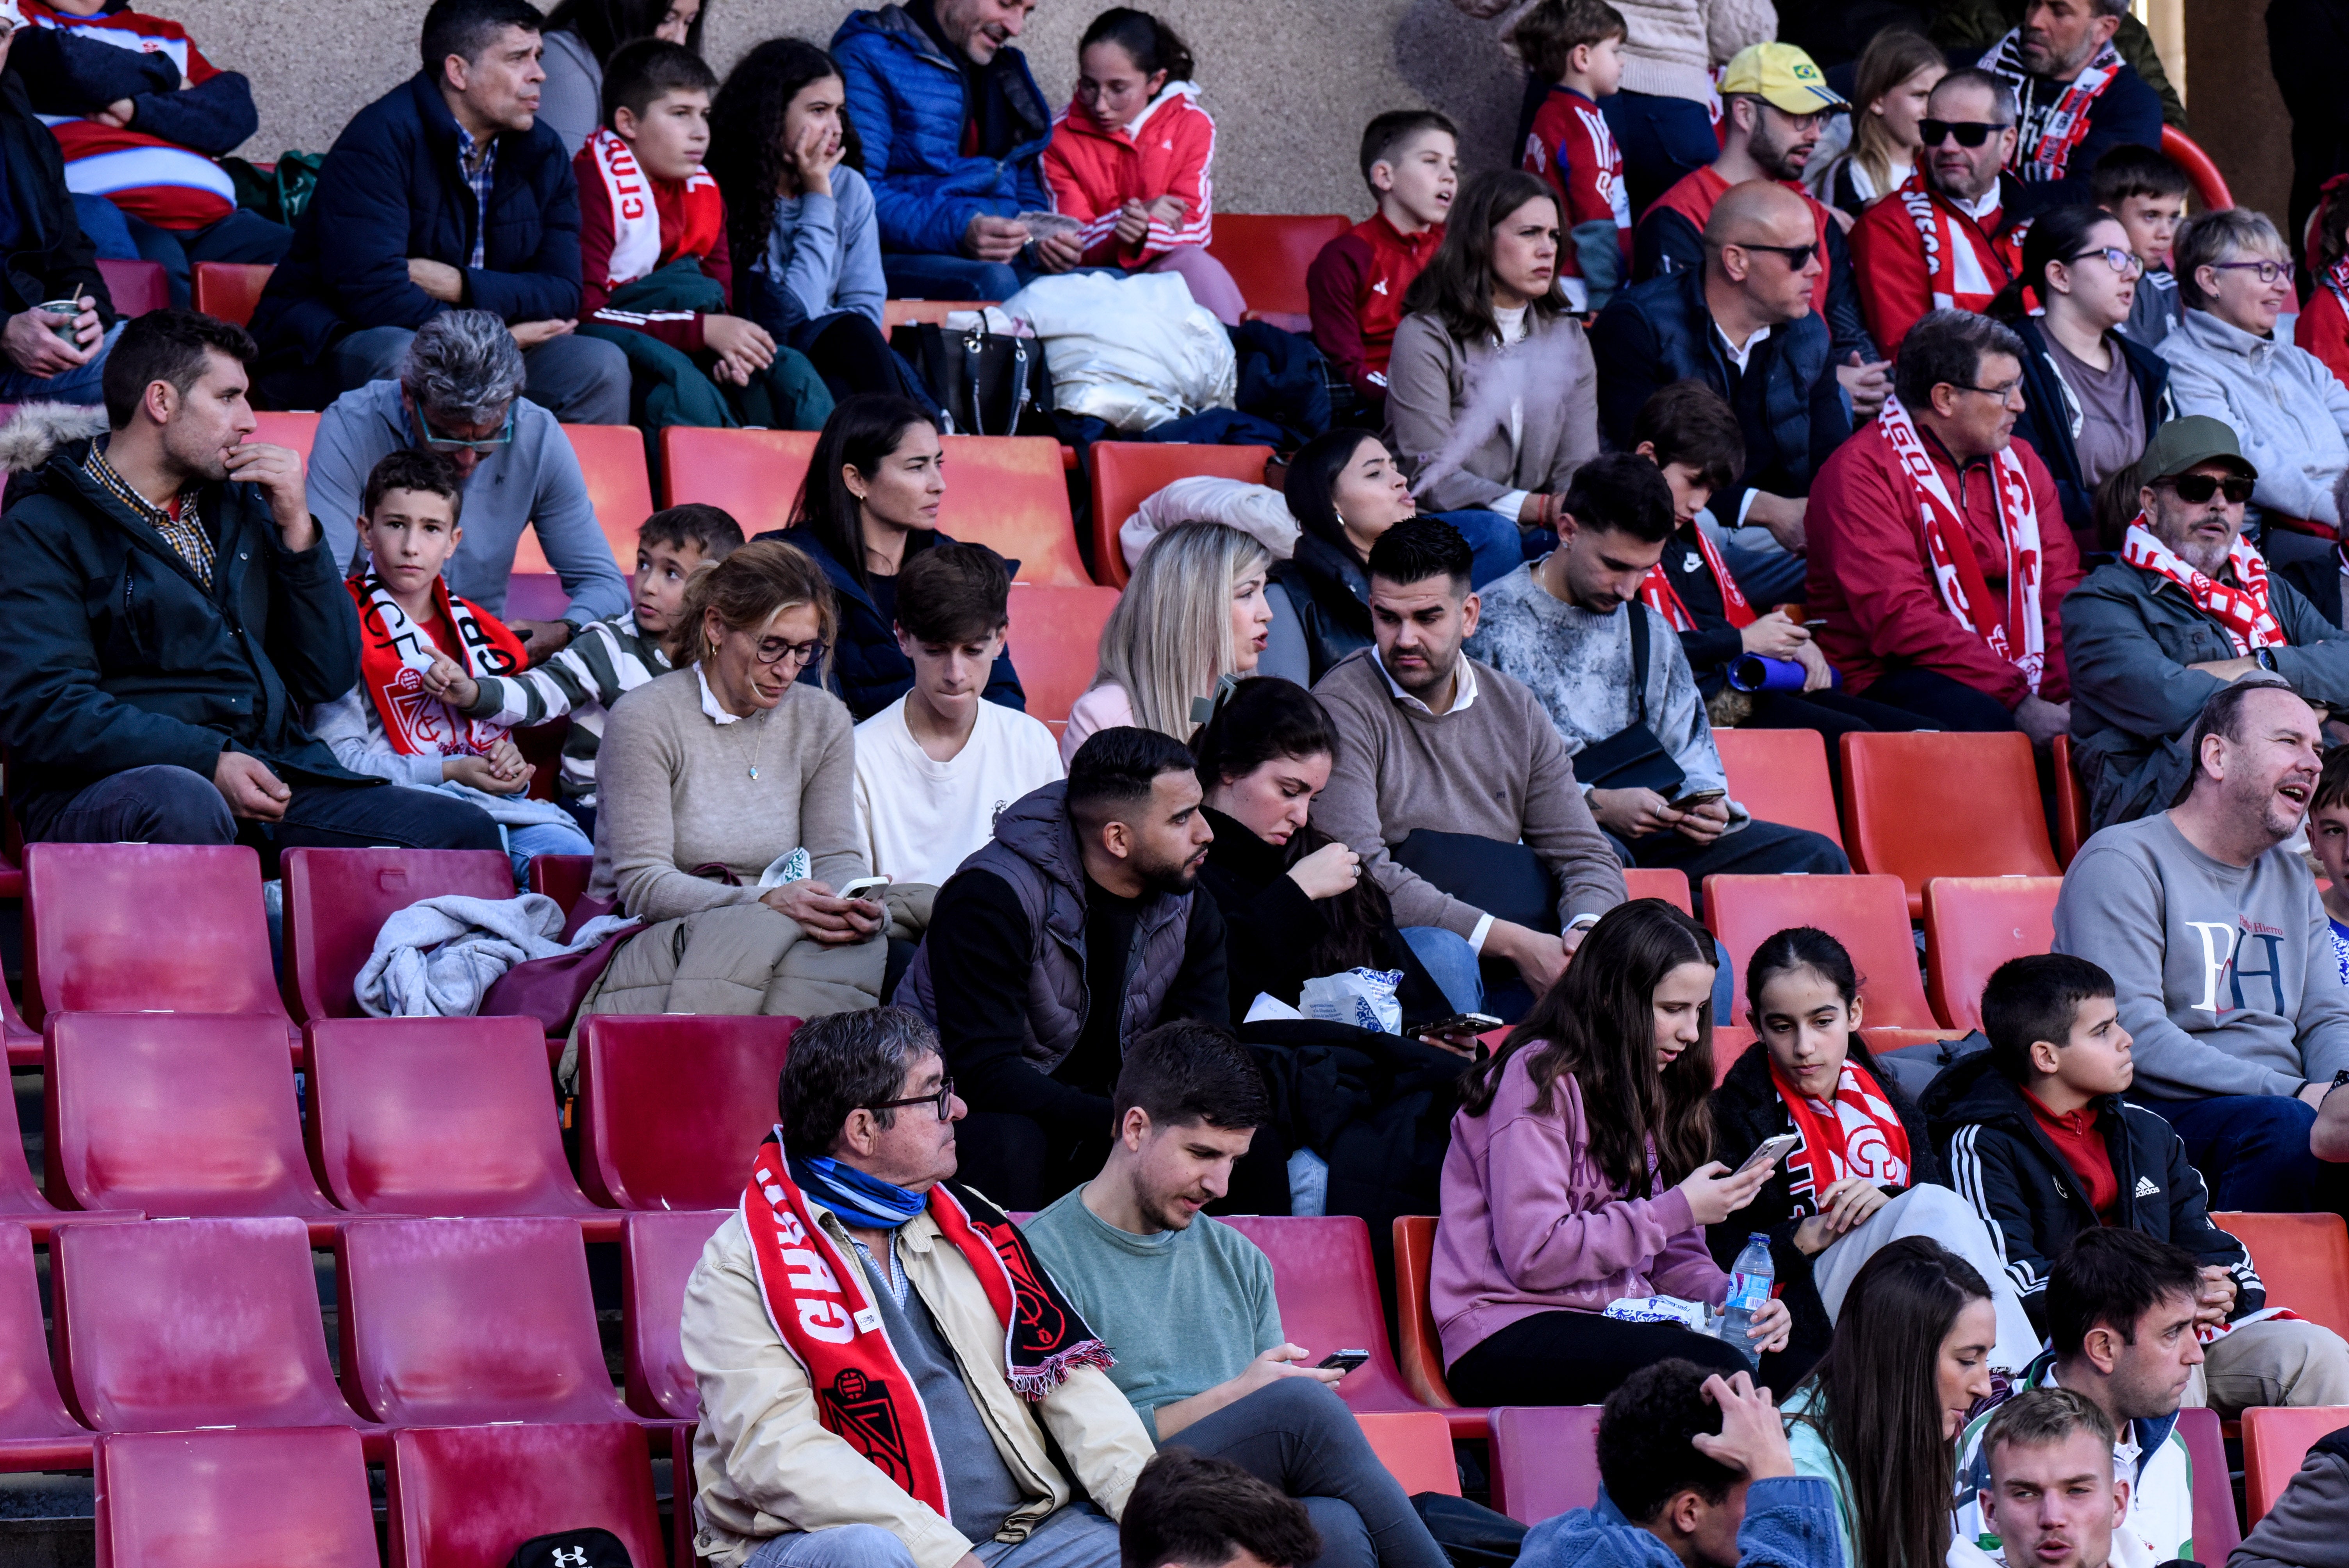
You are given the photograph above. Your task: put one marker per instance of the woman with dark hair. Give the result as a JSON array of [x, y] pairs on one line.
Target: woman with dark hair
[[1878, 1419], [1492, 392], [1578, 1174], [871, 499], [580, 38], [799, 216]]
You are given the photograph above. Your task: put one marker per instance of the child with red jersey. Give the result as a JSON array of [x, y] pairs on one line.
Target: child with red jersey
[[1577, 46], [1411, 160]]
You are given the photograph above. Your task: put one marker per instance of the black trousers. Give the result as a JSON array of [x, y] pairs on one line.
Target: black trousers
[[1576, 1359], [1945, 702], [1834, 715], [849, 352]]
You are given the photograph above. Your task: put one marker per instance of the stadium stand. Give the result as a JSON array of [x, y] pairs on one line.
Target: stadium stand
[[669, 1104], [1935, 803]]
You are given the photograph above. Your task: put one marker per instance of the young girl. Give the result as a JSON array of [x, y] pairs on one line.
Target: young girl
[[1864, 1173], [2323, 328], [1895, 77], [1129, 158], [2328, 840], [1577, 1176]]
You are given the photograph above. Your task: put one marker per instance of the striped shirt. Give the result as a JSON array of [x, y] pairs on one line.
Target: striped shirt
[[184, 533], [606, 659], [478, 160]]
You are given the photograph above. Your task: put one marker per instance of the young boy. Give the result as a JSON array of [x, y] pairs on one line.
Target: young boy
[[2036, 1135], [2328, 839], [1411, 160], [934, 768], [654, 266], [607, 658], [2147, 193], [392, 725], [1577, 46]]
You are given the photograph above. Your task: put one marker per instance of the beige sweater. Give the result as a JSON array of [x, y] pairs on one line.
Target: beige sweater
[[1674, 44], [677, 793], [1487, 420]]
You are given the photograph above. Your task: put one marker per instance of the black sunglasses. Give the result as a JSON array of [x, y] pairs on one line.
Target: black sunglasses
[[2194, 490], [1797, 256], [1968, 132]]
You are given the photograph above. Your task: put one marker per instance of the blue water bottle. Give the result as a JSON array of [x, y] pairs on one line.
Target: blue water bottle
[[1749, 1287]]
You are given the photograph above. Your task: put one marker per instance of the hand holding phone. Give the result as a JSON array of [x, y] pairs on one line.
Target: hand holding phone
[[864, 888], [1771, 1151], [1344, 1360]]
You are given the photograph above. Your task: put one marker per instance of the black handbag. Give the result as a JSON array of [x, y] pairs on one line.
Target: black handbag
[[589, 1548], [1632, 758], [988, 383], [1507, 882]]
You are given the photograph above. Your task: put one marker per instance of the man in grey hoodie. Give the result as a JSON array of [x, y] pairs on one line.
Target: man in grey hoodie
[[2220, 953]]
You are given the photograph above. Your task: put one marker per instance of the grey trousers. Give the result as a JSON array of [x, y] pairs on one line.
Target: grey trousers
[[1077, 1536], [2278, 1361], [579, 380]]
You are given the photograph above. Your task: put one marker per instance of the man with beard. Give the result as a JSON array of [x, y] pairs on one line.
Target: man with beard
[[2188, 607], [2078, 98], [1056, 943]]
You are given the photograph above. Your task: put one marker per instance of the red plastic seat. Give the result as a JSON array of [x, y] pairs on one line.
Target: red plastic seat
[[36, 1431], [897, 313], [2276, 1438], [299, 431], [229, 290], [1936, 803], [1546, 1457], [93, 942], [176, 1114], [233, 1499], [2216, 1531], [465, 1497], [612, 459], [1973, 924], [22, 1202], [179, 1324], [1419, 1348], [675, 1107], [2071, 804], [136, 287], [1868, 914], [1127, 473], [1781, 776], [442, 1116], [1055, 644], [1268, 255], [1667, 882], [563, 878], [754, 476], [2302, 1258], [23, 1042], [337, 900], [2209, 189], [657, 1252], [464, 1322], [1416, 1447]]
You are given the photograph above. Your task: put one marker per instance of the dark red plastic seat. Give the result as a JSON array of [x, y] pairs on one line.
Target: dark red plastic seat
[[233, 1499], [136, 287], [21, 1198], [465, 1497], [2216, 1532], [463, 1322], [125, 928], [1545, 1459], [36, 1431], [176, 1114], [563, 878], [177, 1323], [675, 1107], [337, 900], [657, 1252]]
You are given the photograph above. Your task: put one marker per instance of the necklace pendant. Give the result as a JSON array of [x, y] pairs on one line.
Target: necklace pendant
[[754, 772]]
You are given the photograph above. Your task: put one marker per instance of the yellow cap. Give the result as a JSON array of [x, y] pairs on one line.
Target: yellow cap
[[1782, 76]]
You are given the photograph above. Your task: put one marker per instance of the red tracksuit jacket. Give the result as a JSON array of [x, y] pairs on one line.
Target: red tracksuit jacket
[[1092, 173]]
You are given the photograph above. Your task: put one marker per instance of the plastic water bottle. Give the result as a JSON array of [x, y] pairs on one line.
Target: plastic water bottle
[[1749, 1287]]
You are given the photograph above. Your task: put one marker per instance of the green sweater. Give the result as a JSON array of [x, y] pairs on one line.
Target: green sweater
[[1182, 1310]]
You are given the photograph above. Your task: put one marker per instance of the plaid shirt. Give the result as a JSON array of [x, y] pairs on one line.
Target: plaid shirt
[[479, 162], [184, 533]]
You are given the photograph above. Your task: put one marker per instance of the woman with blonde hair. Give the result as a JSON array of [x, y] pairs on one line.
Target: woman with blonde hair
[[1193, 616], [1895, 77]]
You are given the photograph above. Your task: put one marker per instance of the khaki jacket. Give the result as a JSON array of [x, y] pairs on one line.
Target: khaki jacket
[[764, 1465]]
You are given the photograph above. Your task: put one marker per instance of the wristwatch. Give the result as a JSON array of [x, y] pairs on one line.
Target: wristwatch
[[2264, 658]]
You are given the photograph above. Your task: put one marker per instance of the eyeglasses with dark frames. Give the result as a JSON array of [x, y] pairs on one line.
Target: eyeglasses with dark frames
[[1967, 133], [2127, 263], [940, 1102], [774, 651], [2268, 273], [2005, 394]]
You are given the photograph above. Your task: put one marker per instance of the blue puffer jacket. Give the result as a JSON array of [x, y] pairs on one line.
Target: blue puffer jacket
[[905, 98]]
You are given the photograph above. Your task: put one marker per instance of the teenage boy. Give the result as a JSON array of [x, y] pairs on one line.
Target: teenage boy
[[606, 659], [2147, 193], [657, 278], [937, 767], [1411, 160], [1577, 46], [1694, 1472], [2040, 1140], [1191, 1512], [1186, 1302], [2054, 1499]]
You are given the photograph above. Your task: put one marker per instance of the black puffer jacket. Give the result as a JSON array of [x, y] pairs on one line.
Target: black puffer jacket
[[48, 257]]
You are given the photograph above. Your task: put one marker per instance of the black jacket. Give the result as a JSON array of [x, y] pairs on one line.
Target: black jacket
[[117, 657], [1332, 593], [2318, 579], [2051, 417], [1712, 645], [2011, 1172], [1667, 243], [50, 257]]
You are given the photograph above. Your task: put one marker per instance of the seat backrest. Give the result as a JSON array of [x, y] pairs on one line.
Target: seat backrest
[[2276, 1439], [1055, 644], [1545, 1459], [437, 1115], [2216, 1531], [30, 1405], [229, 290], [897, 313], [1327, 1291], [754, 476], [612, 460], [176, 1114], [231, 1500], [1781, 776], [1268, 255], [465, 1497], [298, 431], [1420, 1350], [93, 945], [1973, 924], [1010, 493], [1944, 803], [2301, 1259], [1416, 1447], [1868, 914], [676, 1105], [2071, 803], [460, 1322], [657, 1252], [337, 900], [1127, 473], [136, 287], [1667, 882], [21, 1197], [563, 878]]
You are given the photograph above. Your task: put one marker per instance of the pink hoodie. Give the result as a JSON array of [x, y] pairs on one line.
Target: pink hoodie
[[1531, 1224]]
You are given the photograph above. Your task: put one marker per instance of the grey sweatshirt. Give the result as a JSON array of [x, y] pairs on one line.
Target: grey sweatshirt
[[2303, 1529], [824, 253], [2225, 974]]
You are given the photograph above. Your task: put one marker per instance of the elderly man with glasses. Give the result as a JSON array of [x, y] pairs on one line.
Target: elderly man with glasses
[[458, 393]]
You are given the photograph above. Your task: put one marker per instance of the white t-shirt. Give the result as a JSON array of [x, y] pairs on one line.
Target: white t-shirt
[[920, 819]]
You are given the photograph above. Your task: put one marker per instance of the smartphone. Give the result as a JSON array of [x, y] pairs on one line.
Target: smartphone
[[861, 886], [1773, 1150], [1702, 798], [1344, 1360], [1460, 1023]]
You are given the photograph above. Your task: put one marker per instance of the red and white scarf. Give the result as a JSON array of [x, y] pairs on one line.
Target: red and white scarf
[[638, 246], [1957, 576], [395, 652], [1855, 1133], [816, 1298], [2242, 611], [1657, 591], [1965, 265], [2066, 125]]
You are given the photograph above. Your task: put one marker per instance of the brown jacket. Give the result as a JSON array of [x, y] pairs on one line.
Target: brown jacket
[[1439, 389]]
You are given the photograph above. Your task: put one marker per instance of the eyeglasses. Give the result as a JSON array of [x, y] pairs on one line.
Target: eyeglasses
[[774, 651], [442, 443], [2006, 393], [2266, 272], [941, 1101], [1968, 132], [1797, 256], [2195, 489], [2128, 263]]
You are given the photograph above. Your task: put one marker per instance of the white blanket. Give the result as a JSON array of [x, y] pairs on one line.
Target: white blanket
[[437, 958]]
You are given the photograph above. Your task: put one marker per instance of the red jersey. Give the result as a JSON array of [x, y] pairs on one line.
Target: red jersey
[[1356, 285], [170, 186], [622, 237], [1571, 147], [1168, 150], [1917, 251]]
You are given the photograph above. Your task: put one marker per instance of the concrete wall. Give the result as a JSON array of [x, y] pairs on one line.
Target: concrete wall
[[2233, 108]]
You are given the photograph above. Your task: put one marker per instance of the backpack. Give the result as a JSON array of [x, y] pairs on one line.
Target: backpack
[[572, 1549]]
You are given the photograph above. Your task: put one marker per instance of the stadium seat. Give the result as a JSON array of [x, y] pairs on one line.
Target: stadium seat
[[92, 945], [612, 458], [2071, 804], [465, 1497], [1941, 803], [235, 1500], [2276, 1438], [179, 1324], [1730, 1042], [1973, 924], [22, 1202], [337, 900], [1419, 1351], [176, 1114], [1546, 1457], [1055, 644], [36, 1431], [299, 431], [674, 1107], [442, 1116], [1781, 776], [136, 287], [563, 878], [1667, 882], [1127, 473], [23, 1042], [753, 475], [465, 1322], [897, 313], [657, 1252], [2304, 1260], [2210, 185], [2216, 1531], [1868, 914], [1268, 255], [230, 290], [1416, 1447]]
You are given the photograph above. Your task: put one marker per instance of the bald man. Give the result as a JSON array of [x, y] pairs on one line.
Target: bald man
[[1743, 325]]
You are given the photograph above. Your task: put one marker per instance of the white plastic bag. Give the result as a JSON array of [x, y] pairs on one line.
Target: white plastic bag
[[1256, 510], [1362, 997], [1691, 1314], [1134, 351]]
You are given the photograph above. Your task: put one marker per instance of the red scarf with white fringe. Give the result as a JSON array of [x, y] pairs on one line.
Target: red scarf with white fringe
[[395, 652]]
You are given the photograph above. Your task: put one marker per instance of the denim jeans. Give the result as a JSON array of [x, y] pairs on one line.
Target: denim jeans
[[82, 383], [1494, 542], [1077, 1536], [2251, 1148], [1450, 963], [918, 274], [543, 839], [166, 805]]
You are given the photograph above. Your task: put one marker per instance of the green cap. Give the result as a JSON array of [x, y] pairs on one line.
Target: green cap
[[2187, 443]]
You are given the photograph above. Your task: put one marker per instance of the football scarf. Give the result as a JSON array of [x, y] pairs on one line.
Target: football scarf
[[1960, 255], [1856, 1133], [2066, 125], [394, 653], [2242, 611], [637, 242], [1657, 591]]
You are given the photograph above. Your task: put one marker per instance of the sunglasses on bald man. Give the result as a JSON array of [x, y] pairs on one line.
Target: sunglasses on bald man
[[1970, 133]]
